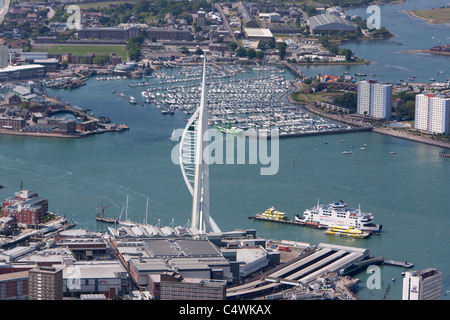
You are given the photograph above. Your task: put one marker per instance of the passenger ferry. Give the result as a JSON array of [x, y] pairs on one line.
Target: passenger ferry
[[350, 232], [272, 214], [338, 213]]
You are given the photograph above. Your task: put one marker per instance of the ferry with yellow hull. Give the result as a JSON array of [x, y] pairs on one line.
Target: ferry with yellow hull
[[345, 231], [273, 215]]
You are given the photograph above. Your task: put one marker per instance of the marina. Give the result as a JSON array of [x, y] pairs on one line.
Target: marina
[[251, 105]]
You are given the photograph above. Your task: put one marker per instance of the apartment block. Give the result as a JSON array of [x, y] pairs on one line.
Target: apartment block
[[432, 113], [374, 99], [45, 283]]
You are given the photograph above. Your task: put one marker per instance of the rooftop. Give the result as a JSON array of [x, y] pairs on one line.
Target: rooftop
[[258, 32], [329, 19]]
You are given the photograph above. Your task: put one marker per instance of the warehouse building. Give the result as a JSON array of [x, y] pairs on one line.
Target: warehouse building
[[329, 23], [23, 72]]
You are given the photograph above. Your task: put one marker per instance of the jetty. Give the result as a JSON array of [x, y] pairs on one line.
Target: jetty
[[293, 222], [404, 264]]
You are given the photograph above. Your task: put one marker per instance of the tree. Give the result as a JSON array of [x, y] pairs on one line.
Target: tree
[[241, 52], [232, 46], [260, 55], [251, 53], [64, 64], [199, 51], [281, 49], [101, 60]]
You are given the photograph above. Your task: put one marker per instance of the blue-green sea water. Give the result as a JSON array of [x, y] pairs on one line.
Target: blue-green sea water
[[407, 192]]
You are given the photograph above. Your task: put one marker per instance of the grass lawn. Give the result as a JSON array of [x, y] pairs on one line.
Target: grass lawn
[[74, 49], [96, 5], [439, 15]]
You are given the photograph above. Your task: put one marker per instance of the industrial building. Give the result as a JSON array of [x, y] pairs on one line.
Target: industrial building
[[329, 23], [258, 34], [23, 72], [249, 21]]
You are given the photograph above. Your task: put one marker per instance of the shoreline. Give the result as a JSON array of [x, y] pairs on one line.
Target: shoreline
[[428, 20], [4, 10], [428, 51], [386, 131]]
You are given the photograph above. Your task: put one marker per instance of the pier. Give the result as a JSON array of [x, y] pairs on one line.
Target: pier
[[404, 264], [311, 225]]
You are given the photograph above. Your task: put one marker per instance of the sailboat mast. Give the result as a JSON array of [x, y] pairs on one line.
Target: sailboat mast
[[146, 212], [126, 210]]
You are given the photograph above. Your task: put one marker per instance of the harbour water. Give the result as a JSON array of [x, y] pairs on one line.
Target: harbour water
[[392, 63], [407, 192]]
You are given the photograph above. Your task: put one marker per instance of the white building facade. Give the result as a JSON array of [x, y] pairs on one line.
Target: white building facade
[[374, 99], [422, 285], [432, 113]]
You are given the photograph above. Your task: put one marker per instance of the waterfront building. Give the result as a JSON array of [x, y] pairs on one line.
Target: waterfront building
[[432, 113], [374, 99], [422, 285], [27, 207], [45, 283], [23, 72], [329, 23]]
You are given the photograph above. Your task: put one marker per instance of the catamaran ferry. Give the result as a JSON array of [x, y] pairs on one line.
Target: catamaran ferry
[[337, 214], [272, 214]]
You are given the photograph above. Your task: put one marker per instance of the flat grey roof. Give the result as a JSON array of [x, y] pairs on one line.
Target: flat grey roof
[[327, 19]]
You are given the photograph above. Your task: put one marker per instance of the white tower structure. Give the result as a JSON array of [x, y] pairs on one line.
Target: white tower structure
[[194, 164]]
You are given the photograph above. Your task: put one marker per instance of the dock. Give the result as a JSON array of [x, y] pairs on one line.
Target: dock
[[298, 223], [404, 264]]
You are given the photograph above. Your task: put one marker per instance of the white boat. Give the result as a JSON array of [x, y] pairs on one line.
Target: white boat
[[126, 222], [338, 214], [174, 137], [347, 152], [133, 100]]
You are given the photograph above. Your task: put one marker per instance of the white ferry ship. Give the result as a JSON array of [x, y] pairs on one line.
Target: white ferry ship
[[338, 214]]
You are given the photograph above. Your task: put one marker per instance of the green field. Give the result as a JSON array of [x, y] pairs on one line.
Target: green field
[[96, 5], [439, 15], [98, 50]]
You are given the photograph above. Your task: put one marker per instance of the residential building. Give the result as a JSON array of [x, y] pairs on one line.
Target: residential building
[[422, 285], [45, 283], [27, 207], [14, 286], [374, 99], [432, 113], [201, 18], [4, 56], [174, 287]]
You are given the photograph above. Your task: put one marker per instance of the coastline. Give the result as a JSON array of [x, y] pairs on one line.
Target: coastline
[[4, 10], [428, 51], [428, 20], [386, 131]]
